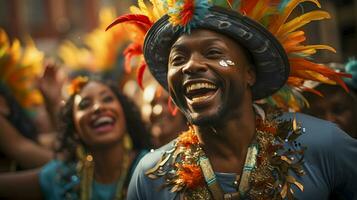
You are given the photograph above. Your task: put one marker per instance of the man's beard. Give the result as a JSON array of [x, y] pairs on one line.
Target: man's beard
[[211, 119]]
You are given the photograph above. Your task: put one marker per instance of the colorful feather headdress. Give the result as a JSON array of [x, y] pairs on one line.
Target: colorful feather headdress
[[19, 69], [273, 15], [100, 49]]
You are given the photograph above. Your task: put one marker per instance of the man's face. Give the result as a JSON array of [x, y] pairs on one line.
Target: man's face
[[203, 88]]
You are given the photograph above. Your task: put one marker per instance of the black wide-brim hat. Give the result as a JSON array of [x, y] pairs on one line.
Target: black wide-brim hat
[[270, 60]]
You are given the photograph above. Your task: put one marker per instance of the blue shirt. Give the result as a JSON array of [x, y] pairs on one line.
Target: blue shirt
[[59, 180], [330, 164]]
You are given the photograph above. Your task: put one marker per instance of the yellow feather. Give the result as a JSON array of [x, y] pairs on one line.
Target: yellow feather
[[311, 48], [259, 10], [158, 9], [135, 10], [287, 11], [144, 9], [301, 21], [170, 3], [291, 36], [4, 40]]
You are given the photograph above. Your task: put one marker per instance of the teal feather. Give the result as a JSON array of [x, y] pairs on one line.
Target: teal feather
[[282, 5], [236, 4], [351, 68], [221, 3]]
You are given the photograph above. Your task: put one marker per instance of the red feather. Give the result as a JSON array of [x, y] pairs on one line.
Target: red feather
[[141, 21], [187, 12], [247, 6], [134, 49], [172, 108], [140, 74]]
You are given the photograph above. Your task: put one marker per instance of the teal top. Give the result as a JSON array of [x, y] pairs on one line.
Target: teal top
[[59, 180]]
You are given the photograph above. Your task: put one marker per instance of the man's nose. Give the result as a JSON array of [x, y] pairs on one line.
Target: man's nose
[[195, 65]]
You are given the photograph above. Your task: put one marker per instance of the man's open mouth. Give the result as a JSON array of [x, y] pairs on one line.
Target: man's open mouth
[[199, 91]]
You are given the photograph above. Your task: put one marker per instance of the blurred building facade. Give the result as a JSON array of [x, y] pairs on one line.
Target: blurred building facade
[[49, 21]]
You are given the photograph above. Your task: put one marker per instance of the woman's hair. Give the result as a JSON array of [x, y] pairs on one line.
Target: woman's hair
[[18, 117], [135, 126]]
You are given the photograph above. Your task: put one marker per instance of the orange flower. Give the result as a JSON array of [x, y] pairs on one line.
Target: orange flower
[[188, 138], [190, 175], [266, 127], [77, 84]]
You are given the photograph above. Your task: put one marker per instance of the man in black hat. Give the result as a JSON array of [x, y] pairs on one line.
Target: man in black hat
[[214, 69]]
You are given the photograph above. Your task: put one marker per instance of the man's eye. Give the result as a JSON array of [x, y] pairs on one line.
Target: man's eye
[[178, 60], [213, 53]]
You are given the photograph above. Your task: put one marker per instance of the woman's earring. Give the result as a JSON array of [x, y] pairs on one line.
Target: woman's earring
[[226, 63]]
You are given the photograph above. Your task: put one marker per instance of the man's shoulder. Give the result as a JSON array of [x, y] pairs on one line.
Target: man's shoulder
[[318, 135], [313, 127], [154, 156], [142, 186]]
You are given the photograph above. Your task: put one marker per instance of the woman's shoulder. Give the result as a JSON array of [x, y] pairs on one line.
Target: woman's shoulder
[[55, 177]]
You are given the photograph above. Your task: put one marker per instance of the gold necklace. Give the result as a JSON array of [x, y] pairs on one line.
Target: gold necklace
[[86, 171]]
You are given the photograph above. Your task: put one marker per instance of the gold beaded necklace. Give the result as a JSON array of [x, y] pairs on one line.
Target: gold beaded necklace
[[85, 169]]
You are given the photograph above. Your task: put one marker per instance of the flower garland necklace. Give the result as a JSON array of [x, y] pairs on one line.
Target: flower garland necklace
[[187, 170]]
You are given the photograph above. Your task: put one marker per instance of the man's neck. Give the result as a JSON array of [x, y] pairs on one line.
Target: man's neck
[[226, 143]]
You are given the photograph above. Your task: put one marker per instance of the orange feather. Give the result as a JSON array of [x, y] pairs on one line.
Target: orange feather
[[247, 6]]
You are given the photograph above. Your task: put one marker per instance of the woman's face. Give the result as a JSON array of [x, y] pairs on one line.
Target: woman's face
[[98, 116]]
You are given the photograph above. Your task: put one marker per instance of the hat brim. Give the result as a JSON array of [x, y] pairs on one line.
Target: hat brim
[[270, 60]]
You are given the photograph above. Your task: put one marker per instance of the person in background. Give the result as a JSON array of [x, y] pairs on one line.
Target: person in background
[[103, 138], [166, 122], [18, 137], [335, 104]]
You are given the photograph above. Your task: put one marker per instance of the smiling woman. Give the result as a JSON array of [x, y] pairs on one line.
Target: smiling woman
[[103, 138]]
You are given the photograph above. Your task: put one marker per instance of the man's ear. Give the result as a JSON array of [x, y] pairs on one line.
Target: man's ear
[[251, 77]]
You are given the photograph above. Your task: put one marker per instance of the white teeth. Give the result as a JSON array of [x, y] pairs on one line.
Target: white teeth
[[197, 86], [104, 119], [197, 99]]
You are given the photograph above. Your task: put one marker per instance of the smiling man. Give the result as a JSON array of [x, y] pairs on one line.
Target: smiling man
[[216, 62]]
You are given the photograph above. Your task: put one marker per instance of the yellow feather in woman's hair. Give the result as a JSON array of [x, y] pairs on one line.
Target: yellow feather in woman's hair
[[277, 23], [301, 21]]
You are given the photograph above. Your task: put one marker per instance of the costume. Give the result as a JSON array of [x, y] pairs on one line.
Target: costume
[[328, 165], [60, 180], [277, 165]]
